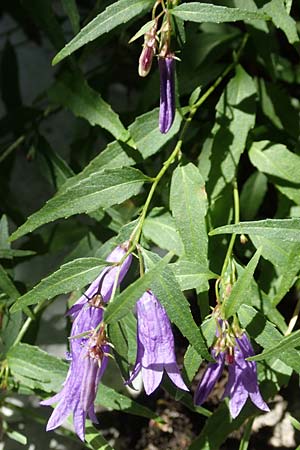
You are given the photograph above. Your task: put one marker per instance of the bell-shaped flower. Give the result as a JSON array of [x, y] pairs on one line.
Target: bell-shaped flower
[[155, 345], [167, 92], [242, 382], [87, 366], [80, 387]]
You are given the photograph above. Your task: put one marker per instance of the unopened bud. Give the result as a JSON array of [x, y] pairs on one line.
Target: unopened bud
[[167, 92], [149, 49], [145, 61], [243, 239]]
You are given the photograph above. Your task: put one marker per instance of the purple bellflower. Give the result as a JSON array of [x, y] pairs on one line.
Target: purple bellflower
[[155, 345], [89, 348], [242, 382], [167, 92]]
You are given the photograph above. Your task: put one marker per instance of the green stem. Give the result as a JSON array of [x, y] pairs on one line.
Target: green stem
[[137, 232], [246, 436], [236, 203], [28, 321]]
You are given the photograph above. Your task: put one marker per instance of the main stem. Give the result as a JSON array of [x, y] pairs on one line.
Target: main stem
[[137, 232]]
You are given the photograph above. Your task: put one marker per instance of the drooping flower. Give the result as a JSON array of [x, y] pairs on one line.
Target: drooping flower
[[80, 387], [166, 65], [89, 348], [242, 382], [155, 345]]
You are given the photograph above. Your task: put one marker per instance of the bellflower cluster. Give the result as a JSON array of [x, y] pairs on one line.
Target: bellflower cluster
[[155, 345], [89, 348], [242, 381]]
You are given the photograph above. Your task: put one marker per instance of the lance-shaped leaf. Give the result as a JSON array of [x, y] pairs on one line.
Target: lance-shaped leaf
[[159, 227], [98, 190], [202, 12], [191, 275], [168, 292], [234, 119], [188, 203], [70, 276], [286, 343], [277, 11], [73, 92], [240, 290], [280, 164], [72, 11], [125, 301], [35, 369], [266, 335], [114, 15], [146, 135], [284, 229]]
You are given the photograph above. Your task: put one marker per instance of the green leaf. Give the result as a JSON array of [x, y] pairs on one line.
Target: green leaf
[[16, 436], [98, 190], [159, 227], [191, 363], [95, 439], [252, 195], [124, 302], [283, 166], [70, 276], [278, 107], [4, 233], [35, 368], [168, 292], [286, 343], [115, 155], [73, 92], [284, 229], [240, 289], [235, 118], [191, 275], [122, 335], [276, 10], [288, 274], [144, 29], [111, 399], [54, 167], [266, 335], [7, 286], [114, 15], [71, 9], [201, 12], [146, 135], [188, 203]]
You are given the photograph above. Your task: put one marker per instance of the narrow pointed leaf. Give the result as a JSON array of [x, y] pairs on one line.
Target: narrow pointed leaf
[[240, 289], [98, 190], [287, 342], [70, 276], [188, 203], [73, 92], [114, 15], [285, 229], [124, 302], [201, 12]]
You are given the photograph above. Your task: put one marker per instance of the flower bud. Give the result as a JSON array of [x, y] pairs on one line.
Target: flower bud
[[149, 49], [167, 92]]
